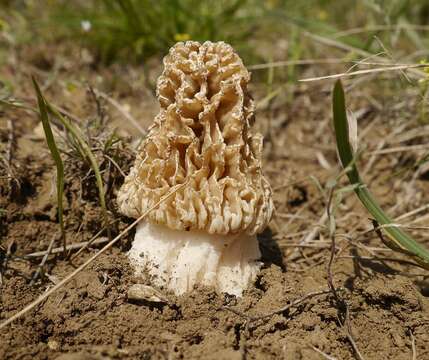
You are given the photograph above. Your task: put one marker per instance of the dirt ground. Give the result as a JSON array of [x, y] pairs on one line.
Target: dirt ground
[[383, 305]]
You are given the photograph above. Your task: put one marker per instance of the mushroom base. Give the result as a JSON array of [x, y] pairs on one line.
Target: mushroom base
[[178, 260]]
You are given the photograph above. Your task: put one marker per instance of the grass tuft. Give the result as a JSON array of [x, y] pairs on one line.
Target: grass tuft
[[78, 139]]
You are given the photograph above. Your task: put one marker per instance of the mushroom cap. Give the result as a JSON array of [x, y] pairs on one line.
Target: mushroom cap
[[201, 136]]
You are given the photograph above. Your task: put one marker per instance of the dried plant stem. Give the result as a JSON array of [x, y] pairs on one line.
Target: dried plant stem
[[282, 309], [333, 246], [75, 246], [413, 346], [366, 71], [341, 303], [348, 329], [275, 64], [366, 29], [45, 258], [400, 149], [341, 45], [412, 212], [45, 295], [381, 259], [326, 356]]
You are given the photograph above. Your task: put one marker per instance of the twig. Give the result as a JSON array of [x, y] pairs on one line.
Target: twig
[[349, 335], [292, 235], [419, 219], [357, 63], [412, 212], [341, 303], [333, 244], [45, 258], [413, 346], [278, 311], [75, 246], [311, 246], [45, 295], [401, 261], [326, 356]]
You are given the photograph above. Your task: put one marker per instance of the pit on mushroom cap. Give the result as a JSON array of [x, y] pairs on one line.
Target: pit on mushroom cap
[[206, 232]]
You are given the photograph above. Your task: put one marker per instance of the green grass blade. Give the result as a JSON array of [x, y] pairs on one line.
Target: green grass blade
[[43, 112], [78, 136], [397, 240]]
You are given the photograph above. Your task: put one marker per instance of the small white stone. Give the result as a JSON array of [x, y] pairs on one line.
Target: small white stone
[[86, 25]]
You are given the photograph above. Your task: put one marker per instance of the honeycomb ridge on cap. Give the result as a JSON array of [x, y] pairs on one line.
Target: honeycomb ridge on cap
[[201, 136]]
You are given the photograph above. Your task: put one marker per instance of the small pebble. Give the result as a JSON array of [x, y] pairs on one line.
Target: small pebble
[[53, 345], [140, 292]]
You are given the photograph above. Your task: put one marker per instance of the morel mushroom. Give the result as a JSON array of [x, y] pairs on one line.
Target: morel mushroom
[[205, 233]]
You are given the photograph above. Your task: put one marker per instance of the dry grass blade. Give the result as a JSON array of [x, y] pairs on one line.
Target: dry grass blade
[[16, 104], [354, 50], [296, 62], [366, 71], [45, 295], [371, 28], [396, 238], [43, 112]]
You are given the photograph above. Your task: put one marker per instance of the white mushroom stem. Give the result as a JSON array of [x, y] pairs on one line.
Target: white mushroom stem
[[178, 260]]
